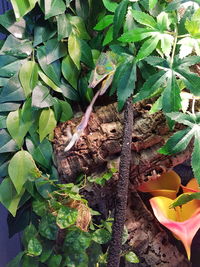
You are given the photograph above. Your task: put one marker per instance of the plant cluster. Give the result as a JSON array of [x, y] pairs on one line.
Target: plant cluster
[[46, 61]]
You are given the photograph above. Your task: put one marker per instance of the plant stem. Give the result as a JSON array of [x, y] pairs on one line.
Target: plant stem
[[174, 48], [122, 189]]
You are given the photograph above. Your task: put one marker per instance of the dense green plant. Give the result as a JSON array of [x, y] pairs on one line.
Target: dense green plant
[[46, 62]]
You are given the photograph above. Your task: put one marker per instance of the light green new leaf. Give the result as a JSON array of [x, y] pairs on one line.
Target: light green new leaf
[[47, 123], [9, 197], [21, 169], [185, 198], [28, 76], [70, 71], [177, 142], [147, 48], [196, 154], [49, 82], [109, 36], [22, 7], [53, 8], [144, 19], [41, 97], [135, 35], [101, 236], [34, 247], [66, 217], [104, 22], [131, 257], [119, 17], [152, 3], [74, 48], [109, 5]]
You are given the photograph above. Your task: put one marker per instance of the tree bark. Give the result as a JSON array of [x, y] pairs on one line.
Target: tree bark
[[98, 148]]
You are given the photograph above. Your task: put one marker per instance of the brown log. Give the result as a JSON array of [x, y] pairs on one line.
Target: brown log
[[98, 147]]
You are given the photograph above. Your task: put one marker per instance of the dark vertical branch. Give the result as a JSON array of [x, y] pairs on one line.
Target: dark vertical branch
[[122, 189]]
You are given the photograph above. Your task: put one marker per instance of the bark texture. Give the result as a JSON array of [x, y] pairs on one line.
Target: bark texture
[[98, 148]]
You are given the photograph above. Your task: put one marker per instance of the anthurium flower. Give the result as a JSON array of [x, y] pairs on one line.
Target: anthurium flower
[[182, 221], [192, 186], [165, 185]]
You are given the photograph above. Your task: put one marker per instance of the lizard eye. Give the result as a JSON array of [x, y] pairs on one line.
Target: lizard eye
[[100, 70]]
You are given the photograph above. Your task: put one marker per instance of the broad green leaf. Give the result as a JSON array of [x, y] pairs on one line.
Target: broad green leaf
[[9, 65], [41, 97], [119, 15], [43, 32], [70, 71], [47, 227], [101, 236], [195, 155], [82, 8], [21, 169], [29, 261], [40, 207], [144, 18], [34, 247], [151, 85], [74, 48], [104, 22], [108, 37], [9, 197], [131, 257], [12, 91], [64, 26], [185, 198], [66, 217], [17, 260], [111, 6], [28, 76], [78, 27], [16, 28], [7, 144], [22, 7], [86, 54], [49, 82], [55, 50], [54, 260], [47, 123], [135, 35], [19, 122], [53, 8], [67, 111], [76, 241], [126, 83], [147, 48], [177, 142], [152, 3], [9, 106], [42, 154], [29, 232], [171, 95], [16, 47], [46, 252]]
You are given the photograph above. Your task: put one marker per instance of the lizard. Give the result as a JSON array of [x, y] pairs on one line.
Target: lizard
[[103, 73]]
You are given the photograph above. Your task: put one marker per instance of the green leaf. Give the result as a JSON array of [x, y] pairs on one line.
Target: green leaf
[[144, 18], [12, 91], [49, 82], [29, 261], [109, 5], [21, 169], [74, 48], [126, 82], [78, 27], [147, 48], [70, 71], [191, 80], [119, 17], [46, 252], [177, 142], [53, 8], [86, 54], [64, 26], [184, 118], [16, 261], [82, 8], [171, 95], [67, 111], [16, 28], [166, 43], [101, 236], [5, 107], [54, 260], [42, 154], [66, 217], [185, 198], [47, 227], [28, 76], [152, 3], [77, 259], [22, 7], [7, 144], [41, 97], [19, 122], [47, 123], [195, 156], [104, 22], [40, 207], [151, 85], [9, 65], [77, 241], [43, 32], [108, 37], [9, 197], [34, 247], [3, 121], [131, 257], [55, 50], [135, 35]]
